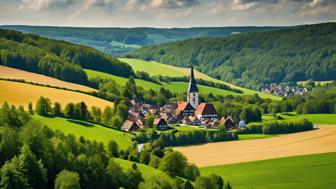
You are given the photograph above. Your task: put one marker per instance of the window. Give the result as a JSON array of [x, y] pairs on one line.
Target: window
[[193, 94]]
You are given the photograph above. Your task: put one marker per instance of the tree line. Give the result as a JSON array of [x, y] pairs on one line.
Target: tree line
[[54, 58], [256, 58]]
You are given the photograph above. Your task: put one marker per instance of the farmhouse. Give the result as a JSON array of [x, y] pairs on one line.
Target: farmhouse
[[129, 126], [206, 111], [160, 124]]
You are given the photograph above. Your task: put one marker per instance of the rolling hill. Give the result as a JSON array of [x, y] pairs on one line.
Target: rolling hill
[[88, 130], [121, 40], [155, 68], [254, 59], [300, 172], [17, 93], [176, 87], [12, 73]]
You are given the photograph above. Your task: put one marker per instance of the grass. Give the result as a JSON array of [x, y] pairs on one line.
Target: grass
[[176, 87], [88, 130], [17, 94], [316, 82], [155, 68], [327, 119], [147, 171], [254, 136], [299, 172]]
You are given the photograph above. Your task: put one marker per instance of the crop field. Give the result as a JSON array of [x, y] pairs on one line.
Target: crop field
[[12, 73], [320, 140], [88, 130], [21, 94], [299, 172], [176, 87], [155, 68]]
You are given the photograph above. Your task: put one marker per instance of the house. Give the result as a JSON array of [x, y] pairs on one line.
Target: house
[[194, 120], [186, 121], [206, 111], [129, 126], [214, 124], [160, 124], [141, 123], [169, 117], [184, 109], [228, 122]]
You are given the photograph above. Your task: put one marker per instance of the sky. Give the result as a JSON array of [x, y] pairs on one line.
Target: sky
[[166, 13]]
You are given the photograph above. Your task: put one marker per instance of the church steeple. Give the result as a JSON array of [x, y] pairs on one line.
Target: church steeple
[[192, 82], [192, 90]]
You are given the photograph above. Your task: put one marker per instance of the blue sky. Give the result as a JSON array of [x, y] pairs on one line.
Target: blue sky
[[166, 13]]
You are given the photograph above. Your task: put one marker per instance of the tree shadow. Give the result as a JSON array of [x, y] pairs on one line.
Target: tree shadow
[[81, 123]]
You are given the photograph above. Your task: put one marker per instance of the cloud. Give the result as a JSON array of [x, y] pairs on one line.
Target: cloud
[[161, 4], [38, 5], [106, 4], [243, 5]]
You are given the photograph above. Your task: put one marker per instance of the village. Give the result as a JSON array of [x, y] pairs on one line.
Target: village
[[190, 113], [283, 90]]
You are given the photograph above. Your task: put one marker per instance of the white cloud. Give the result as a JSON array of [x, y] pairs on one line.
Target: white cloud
[[240, 6], [37, 5]]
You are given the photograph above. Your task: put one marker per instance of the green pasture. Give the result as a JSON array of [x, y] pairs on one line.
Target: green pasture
[[155, 68], [88, 130], [176, 87], [327, 119], [300, 172]]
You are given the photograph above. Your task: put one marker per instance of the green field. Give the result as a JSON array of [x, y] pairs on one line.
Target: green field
[[147, 171], [316, 82], [155, 68], [300, 172], [176, 87], [254, 136], [315, 118], [88, 130]]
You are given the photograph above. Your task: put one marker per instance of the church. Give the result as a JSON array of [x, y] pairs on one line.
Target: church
[[192, 109]]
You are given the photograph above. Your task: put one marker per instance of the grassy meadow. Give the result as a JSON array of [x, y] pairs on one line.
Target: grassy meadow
[[88, 130], [147, 171], [319, 119], [300, 172], [155, 68], [176, 87]]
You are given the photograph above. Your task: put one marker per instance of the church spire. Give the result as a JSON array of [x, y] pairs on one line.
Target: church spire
[[192, 82]]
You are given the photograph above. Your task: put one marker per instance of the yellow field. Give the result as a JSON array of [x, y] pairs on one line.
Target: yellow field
[[12, 73], [21, 94], [310, 142]]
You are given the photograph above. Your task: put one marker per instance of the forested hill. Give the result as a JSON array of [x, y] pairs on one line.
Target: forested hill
[[253, 59], [54, 58], [120, 40]]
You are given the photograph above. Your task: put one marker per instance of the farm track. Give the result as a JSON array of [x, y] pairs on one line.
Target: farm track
[[321, 140]]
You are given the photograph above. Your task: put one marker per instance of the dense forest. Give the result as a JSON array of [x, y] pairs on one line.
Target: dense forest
[[254, 59], [34, 156], [121, 40], [58, 59]]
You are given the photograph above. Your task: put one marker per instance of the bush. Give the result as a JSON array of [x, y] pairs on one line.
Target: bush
[[283, 127]]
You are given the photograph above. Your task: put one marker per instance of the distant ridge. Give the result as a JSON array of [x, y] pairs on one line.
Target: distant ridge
[[256, 58]]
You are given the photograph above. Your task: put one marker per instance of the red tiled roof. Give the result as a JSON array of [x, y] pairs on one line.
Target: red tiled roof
[[205, 109]]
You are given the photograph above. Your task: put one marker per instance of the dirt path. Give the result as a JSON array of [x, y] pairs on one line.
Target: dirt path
[[317, 141]]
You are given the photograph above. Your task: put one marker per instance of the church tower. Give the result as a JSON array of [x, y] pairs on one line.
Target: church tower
[[192, 90]]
